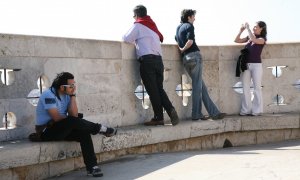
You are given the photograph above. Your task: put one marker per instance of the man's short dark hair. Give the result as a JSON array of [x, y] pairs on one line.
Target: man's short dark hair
[[61, 79], [140, 11], [185, 14]]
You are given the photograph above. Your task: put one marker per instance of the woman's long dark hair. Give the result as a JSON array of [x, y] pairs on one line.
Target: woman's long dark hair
[[263, 32]]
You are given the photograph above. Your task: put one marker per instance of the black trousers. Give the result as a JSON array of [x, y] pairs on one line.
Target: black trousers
[[152, 74], [75, 129]]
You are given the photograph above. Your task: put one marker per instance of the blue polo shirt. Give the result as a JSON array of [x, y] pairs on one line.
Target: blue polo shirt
[[185, 32], [47, 101]]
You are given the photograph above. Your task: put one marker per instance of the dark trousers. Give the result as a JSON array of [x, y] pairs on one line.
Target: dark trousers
[[75, 129], [152, 74]]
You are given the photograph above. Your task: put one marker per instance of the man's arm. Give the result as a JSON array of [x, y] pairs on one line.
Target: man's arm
[[131, 35], [53, 112], [187, 45], [73, 109]]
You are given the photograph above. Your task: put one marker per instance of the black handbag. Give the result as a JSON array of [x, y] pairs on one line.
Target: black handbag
[[241, 65]]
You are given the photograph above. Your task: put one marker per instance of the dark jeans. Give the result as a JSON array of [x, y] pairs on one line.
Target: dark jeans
[[152, 74], [75, 129]]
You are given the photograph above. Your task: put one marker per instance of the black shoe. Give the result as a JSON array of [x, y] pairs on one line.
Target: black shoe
[[110, 132], [219, 116], [154, 122], [95, 171], [174, 117]]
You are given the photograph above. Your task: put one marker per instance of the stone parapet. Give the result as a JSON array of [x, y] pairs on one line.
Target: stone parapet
[[188, 135], [107, 75]]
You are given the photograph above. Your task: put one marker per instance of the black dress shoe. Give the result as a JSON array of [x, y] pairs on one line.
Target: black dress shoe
[[154, 123], [202, 118], [219, 116]]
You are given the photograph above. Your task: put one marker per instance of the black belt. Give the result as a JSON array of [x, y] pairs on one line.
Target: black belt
[[149, 56]]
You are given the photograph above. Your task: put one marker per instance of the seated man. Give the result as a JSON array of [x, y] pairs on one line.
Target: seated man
[[57, 119]]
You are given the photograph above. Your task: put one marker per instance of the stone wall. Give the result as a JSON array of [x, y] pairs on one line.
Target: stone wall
[[107, 76]]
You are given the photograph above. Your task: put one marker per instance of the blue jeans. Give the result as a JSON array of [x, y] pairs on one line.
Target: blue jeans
[[192, 63]]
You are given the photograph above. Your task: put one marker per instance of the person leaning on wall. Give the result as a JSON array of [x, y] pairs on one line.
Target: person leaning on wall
[[57, 119], [193, 63], [146, 37], [256, 41]]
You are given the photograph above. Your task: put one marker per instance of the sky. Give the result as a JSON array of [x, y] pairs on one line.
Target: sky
[[217, 21]]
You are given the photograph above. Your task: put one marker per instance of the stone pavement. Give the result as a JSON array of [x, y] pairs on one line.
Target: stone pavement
[[264, 162]]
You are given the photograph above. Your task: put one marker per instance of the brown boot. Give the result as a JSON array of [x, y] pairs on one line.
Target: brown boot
[[154, 123]]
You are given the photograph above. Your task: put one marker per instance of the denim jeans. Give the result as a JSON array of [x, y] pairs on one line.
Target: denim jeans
[[152, 74], [192, 63]]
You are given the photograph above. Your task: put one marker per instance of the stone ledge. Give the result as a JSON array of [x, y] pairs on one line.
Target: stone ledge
[[261, 129]]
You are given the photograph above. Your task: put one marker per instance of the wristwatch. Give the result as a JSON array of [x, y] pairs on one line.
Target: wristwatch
[[73, 95]]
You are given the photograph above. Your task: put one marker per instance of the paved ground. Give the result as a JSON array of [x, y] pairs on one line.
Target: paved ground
[[261, 162]]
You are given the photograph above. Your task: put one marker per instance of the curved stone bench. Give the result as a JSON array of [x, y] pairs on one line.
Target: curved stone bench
[[23, 159]]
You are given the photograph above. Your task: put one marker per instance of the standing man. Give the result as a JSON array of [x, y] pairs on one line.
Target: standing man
[[146, 37], [57, 119], [192, 61]]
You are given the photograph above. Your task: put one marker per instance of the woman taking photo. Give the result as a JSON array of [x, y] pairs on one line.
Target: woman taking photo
[[255, 43]]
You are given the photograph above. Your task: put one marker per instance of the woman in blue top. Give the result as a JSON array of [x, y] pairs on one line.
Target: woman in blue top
[[255, 43]]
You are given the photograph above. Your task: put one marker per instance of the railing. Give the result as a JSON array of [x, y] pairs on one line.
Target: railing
[[110, 90]]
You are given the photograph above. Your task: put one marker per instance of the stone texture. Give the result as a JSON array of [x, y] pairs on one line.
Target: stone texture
[[6, 174], [18, 153], [270, 136], [202, 128], [40, 171], [170, 133], [107, 74], [12, 45], [59, 167]]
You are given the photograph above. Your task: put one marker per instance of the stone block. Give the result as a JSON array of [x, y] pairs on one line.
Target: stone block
[[39, 171], [295, 134], [230, 101], [281, 50], [128, 51], [30, 67], [54, 47], [6, 174], [209, 53], [218, 140], [126, 139], [18, 153], [52, 151], [175, 146], [169, 133], [97, 49], [270, 136], [78, 162], [230, 53], [60, 167], [97, 141], [242, 138], [206, 143], [16, 45], [270, 121], [171, 52], [226, 74], [193, 143], [208, 127], [232, 124], [210, 73]]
